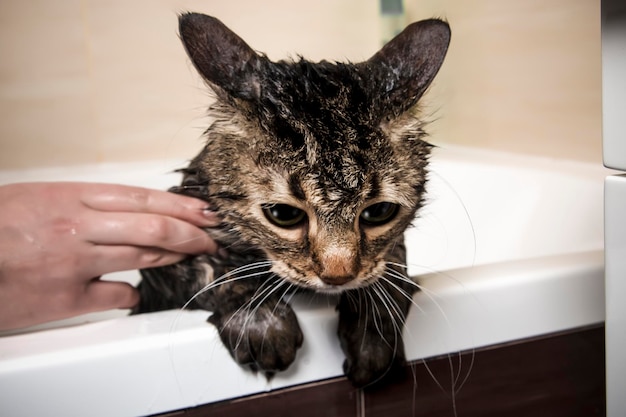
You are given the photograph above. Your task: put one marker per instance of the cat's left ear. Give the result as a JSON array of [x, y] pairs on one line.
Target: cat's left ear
[[407, 64]]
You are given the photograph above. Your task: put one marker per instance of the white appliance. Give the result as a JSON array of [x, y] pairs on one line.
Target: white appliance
[[614, 148]]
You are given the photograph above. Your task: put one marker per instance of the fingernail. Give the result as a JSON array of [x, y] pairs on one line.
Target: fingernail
[[211, 215]]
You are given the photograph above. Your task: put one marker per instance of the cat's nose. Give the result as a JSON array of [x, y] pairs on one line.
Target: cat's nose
[[337, 265], [336, 280]]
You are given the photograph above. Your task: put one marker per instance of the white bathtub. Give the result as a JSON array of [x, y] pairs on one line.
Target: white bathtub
[[510, 247]]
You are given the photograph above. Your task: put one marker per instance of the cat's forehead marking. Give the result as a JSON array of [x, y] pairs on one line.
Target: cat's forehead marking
[[295, 187], [280, 189], [394, 192]]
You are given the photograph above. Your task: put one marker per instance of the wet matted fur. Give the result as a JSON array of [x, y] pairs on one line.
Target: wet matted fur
[[316, 169]]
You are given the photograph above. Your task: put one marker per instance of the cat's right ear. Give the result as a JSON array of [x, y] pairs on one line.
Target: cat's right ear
[[220, 56]]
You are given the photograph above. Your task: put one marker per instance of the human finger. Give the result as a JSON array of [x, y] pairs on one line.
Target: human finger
[[95, 295], [147, 230], [104, 259], [103, 295], [122, 198]]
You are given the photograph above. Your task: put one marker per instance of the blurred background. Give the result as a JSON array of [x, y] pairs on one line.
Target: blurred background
[[88, 81]]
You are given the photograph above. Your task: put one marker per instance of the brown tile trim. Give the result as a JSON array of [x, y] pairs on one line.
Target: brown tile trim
[[552, 375]]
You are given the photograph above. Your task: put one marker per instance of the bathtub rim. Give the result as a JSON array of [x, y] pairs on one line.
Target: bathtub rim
[[132, 344]]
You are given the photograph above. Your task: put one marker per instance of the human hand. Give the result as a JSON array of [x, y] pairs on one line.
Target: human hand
[[57, 239]]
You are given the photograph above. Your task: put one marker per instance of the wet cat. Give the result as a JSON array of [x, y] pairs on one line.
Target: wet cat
[[316, 169]]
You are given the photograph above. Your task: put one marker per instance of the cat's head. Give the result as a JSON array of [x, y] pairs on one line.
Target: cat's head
[[320, 165]]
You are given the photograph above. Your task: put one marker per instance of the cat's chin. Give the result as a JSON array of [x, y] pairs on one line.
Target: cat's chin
[[332, 290]]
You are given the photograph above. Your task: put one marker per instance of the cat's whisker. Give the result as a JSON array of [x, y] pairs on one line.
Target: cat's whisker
[[293, 291], [216, 283], [395, 275], [469, 370], [251, 306], [376, 316], [438, 273], [448, 275], [463, 206], [430, 294], [254, 304], [455, 377], [273, 288], [353, 298], [392, 306], [409, 296], [433, 377], [378, 291], [453, 389], [226, 278], [282, 298], [288, 294], [362, 302], [364, 313], [388, 304]]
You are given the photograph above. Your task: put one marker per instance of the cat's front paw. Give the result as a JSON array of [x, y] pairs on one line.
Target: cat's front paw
[[371, 358], [372, 343], [264, 338]]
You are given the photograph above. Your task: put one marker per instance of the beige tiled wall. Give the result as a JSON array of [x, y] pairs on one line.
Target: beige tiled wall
[[521, 76], [107, 80]]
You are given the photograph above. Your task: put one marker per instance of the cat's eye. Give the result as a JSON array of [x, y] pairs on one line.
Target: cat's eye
[[284, 215], [379, 214]]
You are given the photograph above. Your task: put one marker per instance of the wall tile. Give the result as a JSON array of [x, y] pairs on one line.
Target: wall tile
[[90, 80], [45, 99], [520, 76]]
